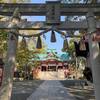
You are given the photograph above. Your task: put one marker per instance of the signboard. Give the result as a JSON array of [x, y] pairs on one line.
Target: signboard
[[53, 14], [44, 65], [51, 64]]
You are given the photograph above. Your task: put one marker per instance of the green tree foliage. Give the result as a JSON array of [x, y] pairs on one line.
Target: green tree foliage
[[25, 55], [3, 42], [3, 33], [71, 48]]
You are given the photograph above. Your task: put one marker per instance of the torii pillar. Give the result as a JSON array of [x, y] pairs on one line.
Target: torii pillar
[[6, 88], [94, 54]]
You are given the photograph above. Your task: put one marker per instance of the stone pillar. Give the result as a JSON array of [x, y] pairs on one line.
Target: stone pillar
[[94, 54], [6, 88]]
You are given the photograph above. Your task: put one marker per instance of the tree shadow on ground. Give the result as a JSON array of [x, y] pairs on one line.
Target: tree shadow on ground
[[82, 94], [79, 91], [23, 89]]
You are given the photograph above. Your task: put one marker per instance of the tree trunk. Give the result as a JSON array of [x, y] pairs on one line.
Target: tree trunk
[[6, 88]]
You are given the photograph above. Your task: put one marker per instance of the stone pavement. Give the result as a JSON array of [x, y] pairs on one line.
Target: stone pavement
[[51, 90], [23, 89]]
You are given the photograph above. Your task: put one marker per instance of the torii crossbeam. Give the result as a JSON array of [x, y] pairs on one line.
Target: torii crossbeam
[[53, 12], [41, 9]]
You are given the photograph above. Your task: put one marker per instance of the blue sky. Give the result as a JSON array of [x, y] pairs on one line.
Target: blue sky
[[59, 44]]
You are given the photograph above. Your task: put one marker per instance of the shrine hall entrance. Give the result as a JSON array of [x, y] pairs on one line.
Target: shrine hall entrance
[[52, 68], [49, 68]]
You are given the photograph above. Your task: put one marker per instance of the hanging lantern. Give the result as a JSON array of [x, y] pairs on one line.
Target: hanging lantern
[[53, 36], [39, 43], [65, 45], [82, 45], [23, 43]]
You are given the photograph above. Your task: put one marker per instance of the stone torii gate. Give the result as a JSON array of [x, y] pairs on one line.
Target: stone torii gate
[[53, 11]]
